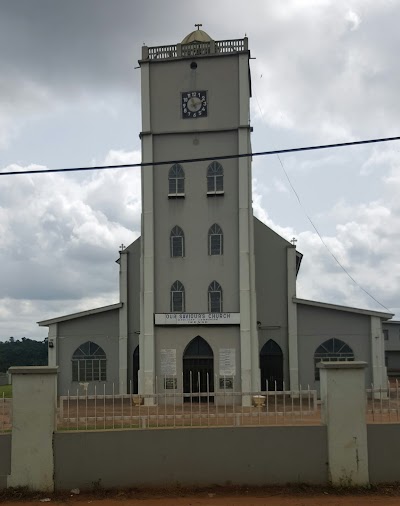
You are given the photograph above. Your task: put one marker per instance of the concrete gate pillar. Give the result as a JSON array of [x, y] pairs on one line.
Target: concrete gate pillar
[[343, 406], [34, 419]]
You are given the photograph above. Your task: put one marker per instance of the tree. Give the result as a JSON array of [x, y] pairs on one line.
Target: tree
[[22, 352]]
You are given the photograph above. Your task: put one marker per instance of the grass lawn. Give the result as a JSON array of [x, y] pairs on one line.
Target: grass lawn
[[6, 390]]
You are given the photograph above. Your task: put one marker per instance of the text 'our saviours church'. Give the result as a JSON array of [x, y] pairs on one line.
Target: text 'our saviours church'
[[208, 292]]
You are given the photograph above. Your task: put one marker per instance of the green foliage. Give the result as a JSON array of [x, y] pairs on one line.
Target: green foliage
[[6, 390], [16, 352]]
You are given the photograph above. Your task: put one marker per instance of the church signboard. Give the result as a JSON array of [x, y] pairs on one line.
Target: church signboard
[[197, 318]]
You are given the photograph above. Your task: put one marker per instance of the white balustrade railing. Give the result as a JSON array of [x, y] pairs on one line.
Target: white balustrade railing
[[196, 49]]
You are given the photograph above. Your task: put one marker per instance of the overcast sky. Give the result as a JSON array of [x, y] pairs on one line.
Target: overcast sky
[[323, 71]]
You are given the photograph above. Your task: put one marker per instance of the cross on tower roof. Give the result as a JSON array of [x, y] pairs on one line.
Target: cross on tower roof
[[293, 241], [198, 25]]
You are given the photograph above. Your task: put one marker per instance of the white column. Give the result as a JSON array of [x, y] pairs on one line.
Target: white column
[[343, 406], [146, 340], [34, 417], [145, 94], [52, 357], [250, 373], [379, 372], [292, 319], [123, 322]]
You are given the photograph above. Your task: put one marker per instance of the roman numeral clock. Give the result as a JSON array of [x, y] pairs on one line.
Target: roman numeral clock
[[194, 104]]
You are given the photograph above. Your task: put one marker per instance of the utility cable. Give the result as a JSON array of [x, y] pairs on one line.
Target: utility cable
[[315, 228], [203, 159], [324, 243]]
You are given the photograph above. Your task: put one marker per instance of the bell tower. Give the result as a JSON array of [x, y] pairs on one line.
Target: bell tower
[[197, 248]]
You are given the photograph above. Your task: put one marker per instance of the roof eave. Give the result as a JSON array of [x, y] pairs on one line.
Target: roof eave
[[326, 305], [73, 316]]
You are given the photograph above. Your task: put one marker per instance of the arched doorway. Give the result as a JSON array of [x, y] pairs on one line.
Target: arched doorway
[[135, 371], [271, 366], [198, 370]]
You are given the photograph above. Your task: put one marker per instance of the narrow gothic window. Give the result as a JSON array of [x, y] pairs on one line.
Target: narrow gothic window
[[333, 350], [215, 298], [215, 240], [176, 181], [89, 363], [177, 242], [215, 178], [177, 298]]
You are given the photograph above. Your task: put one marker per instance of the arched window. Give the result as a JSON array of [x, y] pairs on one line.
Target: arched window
[[215, 240], [176, 181], [215, 298], [333, 350], [215, 179], [89, 363], [177, 298], [177, 242]]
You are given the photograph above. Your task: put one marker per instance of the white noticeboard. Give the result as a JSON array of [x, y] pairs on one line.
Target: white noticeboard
[[197, 319], [168, 362], [227, 362]]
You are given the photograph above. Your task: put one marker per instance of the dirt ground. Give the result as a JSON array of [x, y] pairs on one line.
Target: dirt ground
[[382, 496]]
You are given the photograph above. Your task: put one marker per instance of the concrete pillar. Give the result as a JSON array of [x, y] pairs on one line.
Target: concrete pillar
[[292, 319], [343, 402], [34, 419], [147, 371], [123, 323], [379, 372], [250, 374], [52, 352]]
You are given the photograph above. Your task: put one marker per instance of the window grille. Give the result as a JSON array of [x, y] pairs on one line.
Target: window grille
[[215, 178], [177, 242], [333, 350], [89, 363], [215, 298], [215, 240], [176, 181], [177, 298]]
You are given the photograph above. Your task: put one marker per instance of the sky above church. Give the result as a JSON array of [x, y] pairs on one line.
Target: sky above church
[[323, 71]]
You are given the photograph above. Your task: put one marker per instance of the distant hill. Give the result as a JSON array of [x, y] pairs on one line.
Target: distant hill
[[22, 352]]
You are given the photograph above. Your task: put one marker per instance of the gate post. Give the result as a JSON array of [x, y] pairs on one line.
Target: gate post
[[343, 401], [34, 408]]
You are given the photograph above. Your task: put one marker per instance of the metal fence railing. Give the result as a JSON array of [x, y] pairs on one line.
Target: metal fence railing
[[98, 410], [5, 414], [383, 404]]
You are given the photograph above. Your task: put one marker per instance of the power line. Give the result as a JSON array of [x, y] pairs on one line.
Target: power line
[[324, 243], [203, 159], [312, 223]]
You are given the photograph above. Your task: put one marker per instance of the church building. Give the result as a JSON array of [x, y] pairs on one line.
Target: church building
[[207, 292]]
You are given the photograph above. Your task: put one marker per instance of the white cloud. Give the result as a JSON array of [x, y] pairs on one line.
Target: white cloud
[[59, 237], [353, 19]]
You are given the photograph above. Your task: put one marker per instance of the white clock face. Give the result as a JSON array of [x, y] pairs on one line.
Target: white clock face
[[194, 104]]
